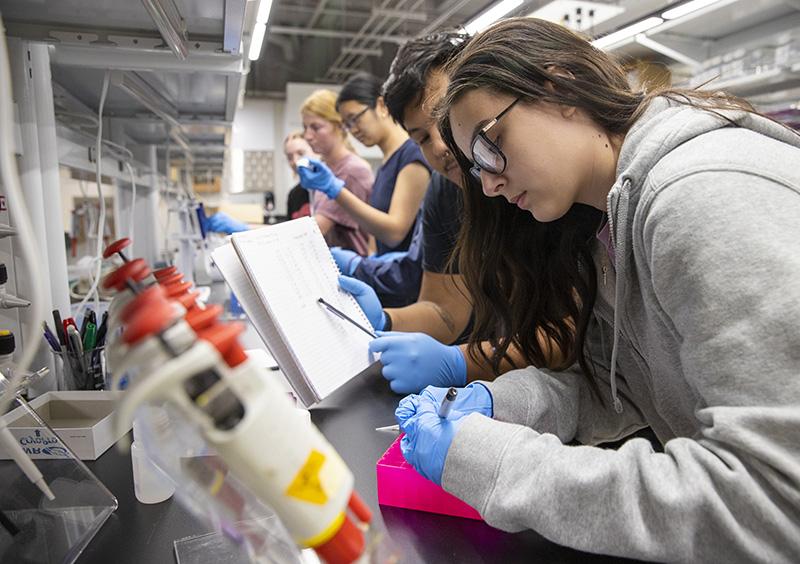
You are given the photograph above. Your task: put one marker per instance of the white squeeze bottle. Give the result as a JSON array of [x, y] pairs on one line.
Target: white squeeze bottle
[[150, 484]]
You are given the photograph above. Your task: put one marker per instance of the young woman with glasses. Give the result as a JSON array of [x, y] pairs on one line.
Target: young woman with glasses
[[672, 256], [339, 167], [400, 181]]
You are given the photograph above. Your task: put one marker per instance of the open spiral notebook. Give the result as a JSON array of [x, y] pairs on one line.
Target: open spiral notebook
[[278, 273]]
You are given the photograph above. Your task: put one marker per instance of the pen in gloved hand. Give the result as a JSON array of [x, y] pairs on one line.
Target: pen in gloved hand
[[444, 410], [447, 402]]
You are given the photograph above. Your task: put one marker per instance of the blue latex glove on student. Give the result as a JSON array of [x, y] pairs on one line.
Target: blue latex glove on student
[[347, 261], [367, 299], [427, 436], [474, 398], [412, 361], [221, 222], [319, 177]]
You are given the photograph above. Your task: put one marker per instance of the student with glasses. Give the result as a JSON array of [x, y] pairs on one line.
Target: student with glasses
[[339, 167], [669, 271], [400, 181]]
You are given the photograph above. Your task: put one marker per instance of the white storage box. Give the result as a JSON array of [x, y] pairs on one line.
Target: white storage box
[[81, 419]]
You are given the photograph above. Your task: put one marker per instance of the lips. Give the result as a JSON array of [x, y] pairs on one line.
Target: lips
[[518, 199]]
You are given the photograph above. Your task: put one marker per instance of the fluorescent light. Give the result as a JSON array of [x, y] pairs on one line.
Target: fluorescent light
[[255, 42], [264, 8], [627, 32], [687, 8], [170, 23], [491, 15]]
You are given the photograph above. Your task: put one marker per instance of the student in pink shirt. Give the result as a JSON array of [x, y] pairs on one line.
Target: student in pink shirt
[[323, 129]]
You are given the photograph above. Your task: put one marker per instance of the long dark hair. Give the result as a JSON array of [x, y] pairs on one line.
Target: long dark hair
[[544, 284], [362, 87], [412, 64]]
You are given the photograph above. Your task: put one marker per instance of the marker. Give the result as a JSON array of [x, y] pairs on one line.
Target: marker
[[59, 327], [101, 330], [344, 316], [389, 429], [74, 340], [447, 403], [90, 336]]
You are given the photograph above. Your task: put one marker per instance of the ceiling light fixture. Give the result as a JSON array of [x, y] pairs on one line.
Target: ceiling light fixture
[[488, 17], [260, 29], [257, 41], [687, 8], [627, 32]]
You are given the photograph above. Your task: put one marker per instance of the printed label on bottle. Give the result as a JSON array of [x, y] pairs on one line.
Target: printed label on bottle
[[306, 485]]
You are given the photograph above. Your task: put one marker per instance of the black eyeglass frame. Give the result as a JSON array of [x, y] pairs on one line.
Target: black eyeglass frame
[[475, 170], [350, 122]]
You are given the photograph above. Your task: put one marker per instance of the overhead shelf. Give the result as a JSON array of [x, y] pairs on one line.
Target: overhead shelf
[[761, 83]]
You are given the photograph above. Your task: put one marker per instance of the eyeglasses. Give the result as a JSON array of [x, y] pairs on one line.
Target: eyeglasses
[[351, 122], [486, 155]]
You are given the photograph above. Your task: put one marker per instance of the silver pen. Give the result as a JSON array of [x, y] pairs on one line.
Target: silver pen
[[447, 402], [342, 315]]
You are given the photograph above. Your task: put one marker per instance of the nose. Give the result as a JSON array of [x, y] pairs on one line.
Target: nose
[[440, 150], [492, 184], [307, 135]]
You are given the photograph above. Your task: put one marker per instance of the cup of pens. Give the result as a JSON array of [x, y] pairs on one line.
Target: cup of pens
[[84, 370], [79, 354]]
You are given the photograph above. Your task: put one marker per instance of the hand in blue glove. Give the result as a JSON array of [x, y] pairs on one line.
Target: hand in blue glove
[[221, 222], [347, 261], [318, 176], [427, 436], [412, 361], [475, 398], [367, 299]]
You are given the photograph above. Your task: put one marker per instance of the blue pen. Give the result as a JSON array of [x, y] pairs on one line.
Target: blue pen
[[50, 338]]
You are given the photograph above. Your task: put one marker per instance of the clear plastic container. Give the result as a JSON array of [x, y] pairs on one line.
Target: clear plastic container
[[38, 530]]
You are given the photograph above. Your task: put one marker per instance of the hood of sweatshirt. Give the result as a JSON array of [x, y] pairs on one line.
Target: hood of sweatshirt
[[664, 126]]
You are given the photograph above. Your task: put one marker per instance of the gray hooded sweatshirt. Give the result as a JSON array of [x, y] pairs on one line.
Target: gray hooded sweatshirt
[[701, 314]]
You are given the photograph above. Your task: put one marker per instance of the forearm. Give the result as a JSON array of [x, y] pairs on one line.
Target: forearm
[[391, 229], [426, 317], [480, 369], [721, 499], [324, 222]]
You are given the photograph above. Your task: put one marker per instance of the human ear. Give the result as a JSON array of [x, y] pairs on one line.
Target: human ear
[[380, 107], [566, 111]]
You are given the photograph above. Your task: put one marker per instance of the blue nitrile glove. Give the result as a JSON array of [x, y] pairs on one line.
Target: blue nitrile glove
[[221, 222], [412, 361], [474, 398], [367, 299], [347, 261], [427, 436], [319, 177]]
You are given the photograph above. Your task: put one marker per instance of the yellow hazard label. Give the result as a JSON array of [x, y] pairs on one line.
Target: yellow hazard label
[[306, 485]]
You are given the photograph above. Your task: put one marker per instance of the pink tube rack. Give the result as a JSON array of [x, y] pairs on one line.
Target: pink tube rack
[[399, 485]]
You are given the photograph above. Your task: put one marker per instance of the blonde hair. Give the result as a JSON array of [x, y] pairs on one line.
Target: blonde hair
[[322, 103], [293, 135]]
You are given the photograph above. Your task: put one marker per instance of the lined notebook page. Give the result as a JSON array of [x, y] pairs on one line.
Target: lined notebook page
[[290, 267], [228, 262]]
